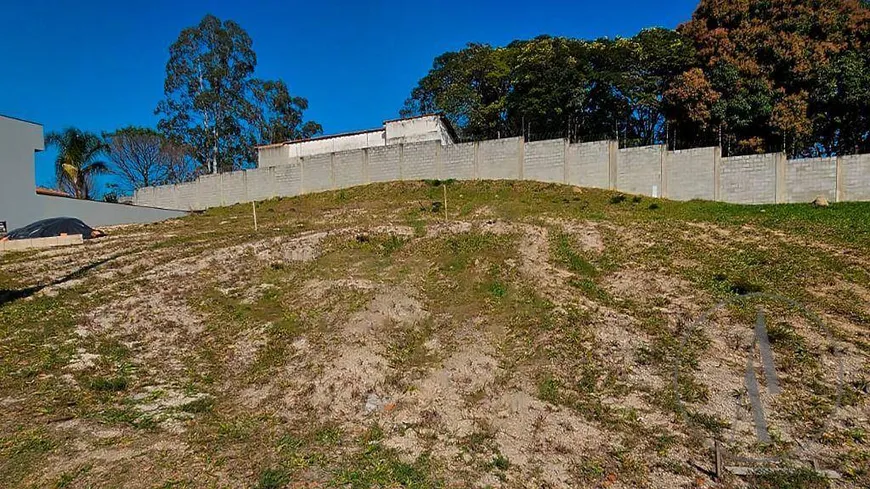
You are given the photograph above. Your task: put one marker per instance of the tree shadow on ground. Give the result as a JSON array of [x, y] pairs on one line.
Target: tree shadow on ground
[[11, 295]]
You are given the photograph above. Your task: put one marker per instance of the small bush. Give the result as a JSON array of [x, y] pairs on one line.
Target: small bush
[[654, 206], [501, 462], [548, 390], [617, 199], [739, 286], [437, 183], [392, 244], [498, 289], [743, 286], [637, 199]]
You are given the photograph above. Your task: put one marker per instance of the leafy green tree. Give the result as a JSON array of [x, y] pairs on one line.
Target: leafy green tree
[[278, 116], [551, 87], [470, 87], [77, 164], [215, 106], [789, 75], [781, 69]]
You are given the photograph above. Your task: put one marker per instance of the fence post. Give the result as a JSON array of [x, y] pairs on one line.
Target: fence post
[[612, 162], [301, 175], [664, 174], [522, 157], [840, 189], [401, 161], [780, 196], [567, 145], [476, 159], [439, 162], [717, 174], [366, 177], [245, 185], [332, 170], [221, 185]]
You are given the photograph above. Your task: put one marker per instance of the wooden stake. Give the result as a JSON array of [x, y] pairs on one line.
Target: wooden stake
[[445, 201], [254, 207]]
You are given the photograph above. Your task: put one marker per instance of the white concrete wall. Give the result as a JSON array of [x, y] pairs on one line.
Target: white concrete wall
[[748, 179], [854, 179], [589, 164], [316, 173], [544, 161], [19, 203], [417, 129], [384, 164], [500, 159], [273, 155], [458, 161], [349, 168], [420, 160], [809, 178], [288, 180], [681, 175], [639, 170], [688, 174]]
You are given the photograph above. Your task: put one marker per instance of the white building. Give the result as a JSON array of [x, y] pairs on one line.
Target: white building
[[22, 203], [429, 127]]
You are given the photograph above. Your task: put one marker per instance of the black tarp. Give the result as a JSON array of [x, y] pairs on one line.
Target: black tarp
[[55, 226]]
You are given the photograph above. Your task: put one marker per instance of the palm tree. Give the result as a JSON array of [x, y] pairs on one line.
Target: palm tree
[[77, 165]]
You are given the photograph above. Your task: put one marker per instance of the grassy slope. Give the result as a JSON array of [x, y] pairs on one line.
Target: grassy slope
[[162, 389]]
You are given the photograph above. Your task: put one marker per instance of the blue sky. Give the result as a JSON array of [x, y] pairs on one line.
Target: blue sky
[[99, 65]]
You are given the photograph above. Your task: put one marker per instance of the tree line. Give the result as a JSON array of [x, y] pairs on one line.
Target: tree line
[[772, 75], [213, 115]]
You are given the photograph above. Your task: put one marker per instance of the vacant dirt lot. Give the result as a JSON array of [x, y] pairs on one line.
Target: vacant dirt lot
[[541, 336]]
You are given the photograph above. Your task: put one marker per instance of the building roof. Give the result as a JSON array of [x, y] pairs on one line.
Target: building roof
[[319, 138], [52, 192], [440, 115], [20, 120]]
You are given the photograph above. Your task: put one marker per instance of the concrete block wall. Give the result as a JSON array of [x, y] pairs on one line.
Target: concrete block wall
[[384, 164], [234, 187], [500, 159], [854, 178], [349, 168], [809, 178], [544, 161], [639, 170], [690, 174], [272, 156], [186, 195], [260, 183], [420, 160], [748, 179], [288, 180], [209, 192], [589, 164], [316, 173], [699, 173], [458, 161]]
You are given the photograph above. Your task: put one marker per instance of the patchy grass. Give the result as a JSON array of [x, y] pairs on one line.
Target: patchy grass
[[179, 349]]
